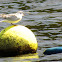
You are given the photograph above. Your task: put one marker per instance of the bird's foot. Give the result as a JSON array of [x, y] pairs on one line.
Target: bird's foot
[[13, 24]]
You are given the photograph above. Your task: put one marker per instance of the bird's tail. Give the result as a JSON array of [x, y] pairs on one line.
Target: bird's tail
[[1, 15], [1, 20]]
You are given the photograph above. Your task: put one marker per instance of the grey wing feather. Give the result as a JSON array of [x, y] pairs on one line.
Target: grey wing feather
[[12, 18]]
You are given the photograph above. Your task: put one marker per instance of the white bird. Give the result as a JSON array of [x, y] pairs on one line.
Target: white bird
[[12, 18]]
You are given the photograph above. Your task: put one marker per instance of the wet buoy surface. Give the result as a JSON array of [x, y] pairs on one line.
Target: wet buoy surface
[[17, 40]]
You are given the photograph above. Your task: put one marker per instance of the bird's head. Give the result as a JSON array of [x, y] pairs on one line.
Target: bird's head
[[21, 13]]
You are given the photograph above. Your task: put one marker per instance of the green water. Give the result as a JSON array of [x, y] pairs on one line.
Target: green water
[[45, 21]]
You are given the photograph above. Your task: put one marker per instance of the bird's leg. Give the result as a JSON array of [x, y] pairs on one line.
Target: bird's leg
[[13, 24]]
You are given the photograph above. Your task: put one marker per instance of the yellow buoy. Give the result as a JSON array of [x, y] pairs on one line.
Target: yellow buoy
[[17, 39]]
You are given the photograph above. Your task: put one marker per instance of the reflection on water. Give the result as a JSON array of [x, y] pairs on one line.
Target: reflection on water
[[45, 21], [22, 58]]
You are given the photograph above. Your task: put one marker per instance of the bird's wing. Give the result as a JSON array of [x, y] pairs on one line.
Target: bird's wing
[[11, 17]]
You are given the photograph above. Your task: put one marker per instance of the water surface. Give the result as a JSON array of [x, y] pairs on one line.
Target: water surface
[[45, 21]]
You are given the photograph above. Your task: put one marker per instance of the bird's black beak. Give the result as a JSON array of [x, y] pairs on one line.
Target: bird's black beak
[[26, 13]]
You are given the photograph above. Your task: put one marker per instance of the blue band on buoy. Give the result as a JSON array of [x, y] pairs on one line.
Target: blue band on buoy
[[53, 50]]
